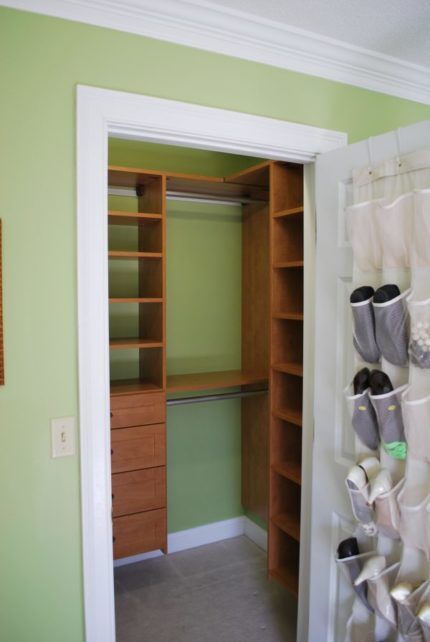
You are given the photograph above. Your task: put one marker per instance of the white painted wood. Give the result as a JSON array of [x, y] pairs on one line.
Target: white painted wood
[[255, 533], [308, 396], [243, 35], [100, 113], [333, 449]]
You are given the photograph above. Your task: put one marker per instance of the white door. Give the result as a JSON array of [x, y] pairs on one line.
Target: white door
[[330, 598]]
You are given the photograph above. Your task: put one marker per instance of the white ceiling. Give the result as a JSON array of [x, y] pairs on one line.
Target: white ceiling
[[399, 28]]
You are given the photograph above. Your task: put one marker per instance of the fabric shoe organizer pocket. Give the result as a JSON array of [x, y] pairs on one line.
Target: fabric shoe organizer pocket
[[363, 417], [363, 235], [394, 223], [364, 339], [416, 417], [421, 228], [351, 568], [361, 510], [379, 593], [407, 621], [390, 422], [387, 512], [414, 517], [424, 601], [392, 329], [419, 342]]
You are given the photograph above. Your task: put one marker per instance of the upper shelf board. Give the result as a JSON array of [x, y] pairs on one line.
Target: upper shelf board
[[213, 380], [250, 184]]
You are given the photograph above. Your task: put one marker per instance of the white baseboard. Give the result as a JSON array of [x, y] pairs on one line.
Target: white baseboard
[[255, 533], [206, 534]]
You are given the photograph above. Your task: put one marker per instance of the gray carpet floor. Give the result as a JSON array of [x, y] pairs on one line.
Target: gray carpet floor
[[213, 593]]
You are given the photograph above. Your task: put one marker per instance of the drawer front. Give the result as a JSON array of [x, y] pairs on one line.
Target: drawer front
[[139, 533], [137, 410], [138, 491], [138, 447]]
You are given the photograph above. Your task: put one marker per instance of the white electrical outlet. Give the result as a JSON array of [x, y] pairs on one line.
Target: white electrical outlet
[[63, 436]]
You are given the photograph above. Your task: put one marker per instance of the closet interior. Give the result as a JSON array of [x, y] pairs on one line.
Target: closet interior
[[268, 200]]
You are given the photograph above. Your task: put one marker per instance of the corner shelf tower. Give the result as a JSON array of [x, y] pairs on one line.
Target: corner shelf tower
[[286, 372]]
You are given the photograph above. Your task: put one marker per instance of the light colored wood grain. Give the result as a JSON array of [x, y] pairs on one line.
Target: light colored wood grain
[[138, 447], [213, 380], [290, 469], [286, 356], [121, 254], [140, 533], [137, 410], [255, 345], [138, 490]]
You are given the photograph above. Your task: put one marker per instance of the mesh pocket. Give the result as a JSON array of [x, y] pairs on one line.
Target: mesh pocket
[[419, 342], [387, 512], [392, 329], [390, 422], [407, 620], [363, 236], [416, 416], [351, 568], [425, 628], [359, 503], [421, 228], [394, 223], [363, 418], [379, 594], [414, 518], [364, 339]]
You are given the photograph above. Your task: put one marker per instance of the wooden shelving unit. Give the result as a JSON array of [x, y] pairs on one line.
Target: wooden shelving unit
[[286, 372], [271, 194], [138, 406]]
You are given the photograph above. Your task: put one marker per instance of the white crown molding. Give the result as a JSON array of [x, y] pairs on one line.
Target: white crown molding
[[203, 25]]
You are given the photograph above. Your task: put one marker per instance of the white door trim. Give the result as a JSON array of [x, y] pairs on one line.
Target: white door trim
[[101, 113]]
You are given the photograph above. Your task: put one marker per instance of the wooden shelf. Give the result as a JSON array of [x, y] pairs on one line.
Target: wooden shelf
[[255, 175], [213, 380], [133, 386], [289, 524], [118, 217], [289, 368], [135, 300], [288, 577], [288, 264], [213, 186], [130, 344], [292, 416], [117, 254], [292, 212], [291, 316], [290, 469]]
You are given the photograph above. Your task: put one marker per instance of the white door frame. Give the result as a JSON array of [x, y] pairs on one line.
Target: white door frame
[[101, 113]]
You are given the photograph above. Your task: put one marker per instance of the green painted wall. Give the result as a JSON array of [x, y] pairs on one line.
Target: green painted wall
[[41, 62]]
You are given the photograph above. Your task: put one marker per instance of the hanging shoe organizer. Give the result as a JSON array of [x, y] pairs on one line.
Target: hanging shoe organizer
[[388, 399]]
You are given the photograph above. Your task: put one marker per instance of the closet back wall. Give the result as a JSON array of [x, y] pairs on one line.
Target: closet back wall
[[41, 61]]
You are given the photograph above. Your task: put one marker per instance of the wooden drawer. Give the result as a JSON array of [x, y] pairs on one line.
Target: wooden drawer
[[137, 410], [138, 447], [139, 533], [138, 491]]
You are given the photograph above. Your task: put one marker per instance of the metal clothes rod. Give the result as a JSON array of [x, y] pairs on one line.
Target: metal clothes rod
[[225, 395]]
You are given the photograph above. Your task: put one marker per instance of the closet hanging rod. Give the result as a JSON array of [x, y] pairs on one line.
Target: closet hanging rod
[[218, 397], [185, 196]]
